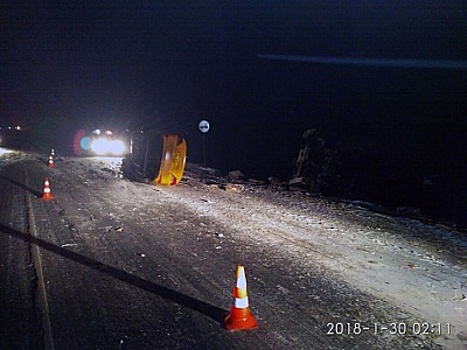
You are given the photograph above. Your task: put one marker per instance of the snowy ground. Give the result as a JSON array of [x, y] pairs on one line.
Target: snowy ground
[[312, 262], [418, 267]]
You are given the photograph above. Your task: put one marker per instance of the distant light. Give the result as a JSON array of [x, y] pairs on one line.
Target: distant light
[[108, 132], [104, 146], [117, 147], [99, 146], [97, 131], [18, 128]]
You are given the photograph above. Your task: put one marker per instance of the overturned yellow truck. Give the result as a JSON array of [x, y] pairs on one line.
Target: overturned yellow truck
[[155, 158]]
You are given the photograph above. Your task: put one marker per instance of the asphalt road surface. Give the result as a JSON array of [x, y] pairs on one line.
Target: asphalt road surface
[[111, 264]]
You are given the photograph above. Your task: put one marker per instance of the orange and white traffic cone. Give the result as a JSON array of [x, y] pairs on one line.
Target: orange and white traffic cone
[[47, 194], [240, 317], [51, 162]]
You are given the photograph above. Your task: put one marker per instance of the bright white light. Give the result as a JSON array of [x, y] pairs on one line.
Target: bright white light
[[104, 146], [117, 147], [4, 151], [99, 146]]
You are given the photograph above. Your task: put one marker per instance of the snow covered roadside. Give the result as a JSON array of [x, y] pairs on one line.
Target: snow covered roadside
[[420, 268], [8, 156]]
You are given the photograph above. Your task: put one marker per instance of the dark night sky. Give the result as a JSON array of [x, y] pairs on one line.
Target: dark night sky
[[176, 62]]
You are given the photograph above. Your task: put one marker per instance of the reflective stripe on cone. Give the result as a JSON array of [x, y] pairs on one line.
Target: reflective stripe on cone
[[240, 317]]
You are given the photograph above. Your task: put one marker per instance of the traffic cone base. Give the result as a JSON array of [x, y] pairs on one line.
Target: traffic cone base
[[240, 319]]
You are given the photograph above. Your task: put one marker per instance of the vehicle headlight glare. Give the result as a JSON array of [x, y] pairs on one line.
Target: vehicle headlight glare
[[104, 146], [117, 147]]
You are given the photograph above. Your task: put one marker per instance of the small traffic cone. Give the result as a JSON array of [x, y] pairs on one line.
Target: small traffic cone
[[51, 162], [240, 317], [52, 152], [47, 194]]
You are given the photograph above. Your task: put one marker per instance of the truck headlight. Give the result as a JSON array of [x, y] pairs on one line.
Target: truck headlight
[[104, 146]]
